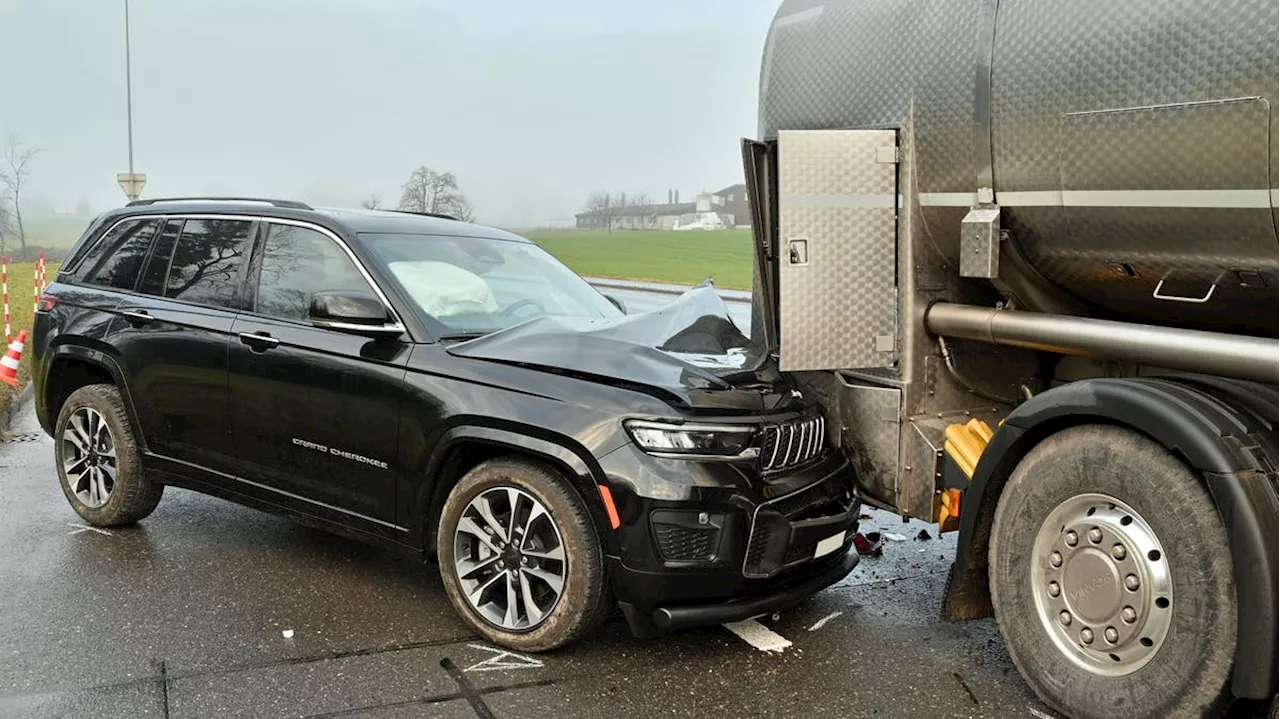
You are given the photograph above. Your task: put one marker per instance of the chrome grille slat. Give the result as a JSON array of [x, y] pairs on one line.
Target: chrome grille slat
[[795, 442]]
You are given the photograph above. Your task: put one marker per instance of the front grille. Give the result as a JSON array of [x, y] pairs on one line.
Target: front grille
[[686, 544], [792, 443]]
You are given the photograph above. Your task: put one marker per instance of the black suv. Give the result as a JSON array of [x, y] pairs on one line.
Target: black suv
[[446, 388]]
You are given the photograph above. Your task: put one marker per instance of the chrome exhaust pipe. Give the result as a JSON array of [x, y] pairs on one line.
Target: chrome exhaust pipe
[[1215, 353]]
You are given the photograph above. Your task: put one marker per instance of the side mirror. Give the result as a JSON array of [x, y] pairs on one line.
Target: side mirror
[[617, 303], [355, 312]]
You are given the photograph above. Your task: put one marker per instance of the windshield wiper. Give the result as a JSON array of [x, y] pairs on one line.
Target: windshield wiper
[[462, 335]]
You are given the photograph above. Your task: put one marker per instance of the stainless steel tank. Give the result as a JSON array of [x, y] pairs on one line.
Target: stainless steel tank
[[1132, 145]]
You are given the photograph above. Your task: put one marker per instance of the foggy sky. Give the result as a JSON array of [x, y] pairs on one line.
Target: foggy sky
[[532, 104]]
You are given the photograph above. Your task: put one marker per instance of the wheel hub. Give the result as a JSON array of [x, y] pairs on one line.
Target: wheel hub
[[1102, 584]]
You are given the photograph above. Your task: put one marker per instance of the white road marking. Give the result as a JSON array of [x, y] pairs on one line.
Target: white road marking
[[501, 661], [823, 622], [86, 528], [1037, 713], [759, 636]]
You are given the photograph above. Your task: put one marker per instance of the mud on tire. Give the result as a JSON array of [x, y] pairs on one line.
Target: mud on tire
[[1187, 674]]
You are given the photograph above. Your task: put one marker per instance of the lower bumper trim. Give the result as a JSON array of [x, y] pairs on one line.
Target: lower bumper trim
[[733, 611]]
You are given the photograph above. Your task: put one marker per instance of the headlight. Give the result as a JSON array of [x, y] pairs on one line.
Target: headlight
[[693, 441]]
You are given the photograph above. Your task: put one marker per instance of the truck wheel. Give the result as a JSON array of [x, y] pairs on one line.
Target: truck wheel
[[1111, 578], [520, 557], [99, 466]]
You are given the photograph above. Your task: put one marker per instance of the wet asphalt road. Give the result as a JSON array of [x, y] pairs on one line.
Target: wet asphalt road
[[185, 615]]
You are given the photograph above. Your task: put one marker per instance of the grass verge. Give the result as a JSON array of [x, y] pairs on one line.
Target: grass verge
[[21, 312], [685, 258]]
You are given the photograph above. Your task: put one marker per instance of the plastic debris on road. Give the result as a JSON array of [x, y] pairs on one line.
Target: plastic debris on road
[[869, 544]]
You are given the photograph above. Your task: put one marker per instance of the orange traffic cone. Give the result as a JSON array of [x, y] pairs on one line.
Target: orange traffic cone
[[9, 363]]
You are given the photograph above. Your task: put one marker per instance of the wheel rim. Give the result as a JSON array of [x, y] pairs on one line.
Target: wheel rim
[[89, 457], [509, 558], [1102, 584]]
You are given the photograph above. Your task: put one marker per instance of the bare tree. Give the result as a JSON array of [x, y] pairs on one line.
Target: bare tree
[[434, 192], [606, 208], [372, 202], [603, 207], [13, 180]]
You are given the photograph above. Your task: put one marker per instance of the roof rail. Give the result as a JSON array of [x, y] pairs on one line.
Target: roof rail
[[290, 204], [427, 214]]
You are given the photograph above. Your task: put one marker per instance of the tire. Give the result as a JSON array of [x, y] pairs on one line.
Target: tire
[[583, 602], [1186, 672], [131, 496]]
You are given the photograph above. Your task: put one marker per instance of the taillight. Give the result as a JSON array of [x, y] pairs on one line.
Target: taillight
[[46, 303]]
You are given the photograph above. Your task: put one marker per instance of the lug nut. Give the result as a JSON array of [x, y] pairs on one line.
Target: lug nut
[[1118, 552], [1055, 559], [1072, 539], [1095, 535], [1111, 635], [1054, 589], [1086, 635], [1128, 615], [1131, 582], [1065, 619]]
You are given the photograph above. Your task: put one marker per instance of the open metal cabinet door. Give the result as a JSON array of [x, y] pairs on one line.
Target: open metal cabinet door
[[759, 162], [837, 257]]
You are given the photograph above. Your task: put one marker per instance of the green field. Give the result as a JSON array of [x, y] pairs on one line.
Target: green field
[[55, 231], [677, 257]]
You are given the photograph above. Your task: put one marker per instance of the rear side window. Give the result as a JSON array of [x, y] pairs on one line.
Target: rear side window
[[297, 263], [117, 259], [206, 263], [157, 273]]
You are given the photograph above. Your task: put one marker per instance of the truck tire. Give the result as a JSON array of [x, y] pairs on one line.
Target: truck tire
[[1112, 580], [99, 464], [520, 558]]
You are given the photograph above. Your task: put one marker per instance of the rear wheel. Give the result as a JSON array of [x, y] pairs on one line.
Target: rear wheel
[[1112, 580], [99, 464], [520, 558]]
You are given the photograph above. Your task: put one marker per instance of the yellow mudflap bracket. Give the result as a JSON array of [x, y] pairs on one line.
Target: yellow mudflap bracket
[[964, 446]]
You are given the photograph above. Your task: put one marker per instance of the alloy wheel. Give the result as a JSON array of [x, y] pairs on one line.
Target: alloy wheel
[[89, 457], [509, 558]]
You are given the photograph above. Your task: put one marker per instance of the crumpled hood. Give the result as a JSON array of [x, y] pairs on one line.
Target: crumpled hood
[[689, 352]]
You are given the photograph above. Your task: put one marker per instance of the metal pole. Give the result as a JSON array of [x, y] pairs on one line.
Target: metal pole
[[128, 82], [1253, 358]]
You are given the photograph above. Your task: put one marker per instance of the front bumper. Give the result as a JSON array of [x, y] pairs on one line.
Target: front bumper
[[726, 553]]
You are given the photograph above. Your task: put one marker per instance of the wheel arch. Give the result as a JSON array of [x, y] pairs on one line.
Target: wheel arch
[[1211, 429], [74, 366], [463, 447]]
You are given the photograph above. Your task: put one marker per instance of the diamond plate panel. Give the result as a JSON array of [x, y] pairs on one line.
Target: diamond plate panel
[[870, 420], [887, 63], [837, 300]]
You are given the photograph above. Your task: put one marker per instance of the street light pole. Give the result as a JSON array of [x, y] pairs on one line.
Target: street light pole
[[128, 83]]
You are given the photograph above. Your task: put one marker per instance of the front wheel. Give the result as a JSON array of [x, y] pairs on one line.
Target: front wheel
[[520, 558], [1112, 579]]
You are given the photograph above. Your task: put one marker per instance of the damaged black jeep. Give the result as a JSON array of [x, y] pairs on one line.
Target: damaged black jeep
[[448, 388]]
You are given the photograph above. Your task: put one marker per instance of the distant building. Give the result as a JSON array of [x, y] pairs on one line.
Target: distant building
[[732, 201], [730, 204]]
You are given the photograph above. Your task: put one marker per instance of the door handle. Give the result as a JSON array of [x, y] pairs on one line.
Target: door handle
[[258, 341], [137, 317]]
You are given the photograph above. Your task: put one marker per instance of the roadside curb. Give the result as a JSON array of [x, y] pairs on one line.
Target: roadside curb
[[6, 414]]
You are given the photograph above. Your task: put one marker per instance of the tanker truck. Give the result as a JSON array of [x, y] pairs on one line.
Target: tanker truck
[[1026, 253]]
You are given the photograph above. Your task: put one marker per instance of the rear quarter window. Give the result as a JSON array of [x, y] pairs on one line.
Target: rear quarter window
[[116, 260]]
